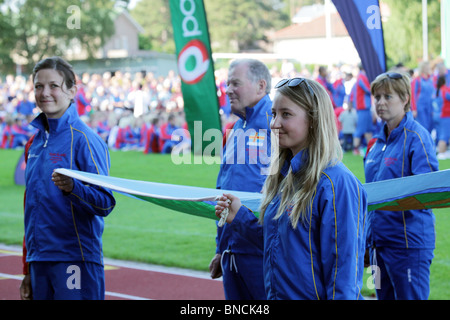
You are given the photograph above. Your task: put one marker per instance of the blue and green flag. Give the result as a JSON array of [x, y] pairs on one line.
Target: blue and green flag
[[424, 191]]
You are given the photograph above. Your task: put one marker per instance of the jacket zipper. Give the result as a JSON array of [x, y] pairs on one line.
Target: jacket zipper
[[46, 139]]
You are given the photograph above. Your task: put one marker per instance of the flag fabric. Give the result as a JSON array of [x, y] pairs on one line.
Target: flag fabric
[[424, 191], [187, 199], [196, 69], [362, 19]]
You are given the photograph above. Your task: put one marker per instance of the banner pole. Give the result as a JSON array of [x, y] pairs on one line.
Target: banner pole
[[425, 29], [445, 33]]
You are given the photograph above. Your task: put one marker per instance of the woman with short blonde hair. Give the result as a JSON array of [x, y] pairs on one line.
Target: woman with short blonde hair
[[400, 243]]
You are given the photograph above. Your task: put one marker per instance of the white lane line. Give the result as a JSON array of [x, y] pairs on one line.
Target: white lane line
[[125, 296], [10, 276], [109, 293]]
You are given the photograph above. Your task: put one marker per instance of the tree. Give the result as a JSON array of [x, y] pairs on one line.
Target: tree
[[237, 25], [6, 43], [45, 28], [403, 31], [154, 17], [234, 25]]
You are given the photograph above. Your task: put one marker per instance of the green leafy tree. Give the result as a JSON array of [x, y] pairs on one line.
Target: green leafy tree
[[234, 25], [154, 17], [237, 25], [6, 43], [45, 28], [403, 31]]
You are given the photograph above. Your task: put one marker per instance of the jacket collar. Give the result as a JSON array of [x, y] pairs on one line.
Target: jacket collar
[[406, 119], [295, 163], [251, 111], [55, 125]]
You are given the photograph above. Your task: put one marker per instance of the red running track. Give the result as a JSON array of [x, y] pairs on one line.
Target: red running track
[[124, 280]]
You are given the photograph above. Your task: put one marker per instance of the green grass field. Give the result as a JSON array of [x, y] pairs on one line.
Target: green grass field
[[140, 231]]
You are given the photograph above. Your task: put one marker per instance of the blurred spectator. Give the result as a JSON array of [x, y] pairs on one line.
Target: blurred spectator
[[363, 105], [166, 130], [25, 104], [422, 96], [322, 78], [127, 138], [5, 131], [19, 133], [339, 93], [152, 136], [348, 120], [139, 99]]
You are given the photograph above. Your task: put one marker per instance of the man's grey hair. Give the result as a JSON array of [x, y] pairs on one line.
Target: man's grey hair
[[256, 71]]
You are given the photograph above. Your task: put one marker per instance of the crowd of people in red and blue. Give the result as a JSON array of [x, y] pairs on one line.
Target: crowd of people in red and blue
[[356, 117], [142, 111], [130, 112]]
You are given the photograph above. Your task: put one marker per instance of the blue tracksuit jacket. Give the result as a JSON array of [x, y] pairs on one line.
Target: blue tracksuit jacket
[[409, 150], [65, 227], [323, 258], [245, 157], [422, 91]]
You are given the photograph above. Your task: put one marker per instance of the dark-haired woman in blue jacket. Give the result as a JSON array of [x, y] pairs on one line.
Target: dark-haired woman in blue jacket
[[63, 216]]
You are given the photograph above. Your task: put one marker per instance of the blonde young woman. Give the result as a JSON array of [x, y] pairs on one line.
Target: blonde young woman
[[313, 208]]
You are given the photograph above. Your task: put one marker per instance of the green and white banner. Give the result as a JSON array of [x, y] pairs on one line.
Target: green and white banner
[[196, 69]]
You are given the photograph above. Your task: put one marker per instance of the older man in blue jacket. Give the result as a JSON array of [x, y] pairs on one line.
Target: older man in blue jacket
[[244, 164]]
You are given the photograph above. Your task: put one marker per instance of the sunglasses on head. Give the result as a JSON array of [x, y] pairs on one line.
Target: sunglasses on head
[[294, 82], [393, 75]]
